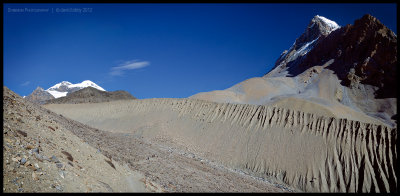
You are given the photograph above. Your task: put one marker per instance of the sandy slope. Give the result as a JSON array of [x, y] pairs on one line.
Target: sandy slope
[[317, 85], [102, 161], [306, 151]]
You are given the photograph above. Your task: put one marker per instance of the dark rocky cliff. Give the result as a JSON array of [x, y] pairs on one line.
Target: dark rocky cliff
[[364, 53]]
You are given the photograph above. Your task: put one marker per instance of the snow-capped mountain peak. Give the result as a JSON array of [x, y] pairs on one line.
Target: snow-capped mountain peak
[[318, 27], [63, 83], [63, 88], [85, 84], [332, 25]]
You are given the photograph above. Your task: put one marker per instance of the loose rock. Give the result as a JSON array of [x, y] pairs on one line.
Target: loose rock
[[59, 188], [27, 163], [59, 165], [36, 166], [62, 174], [23, 161], [46, 158], [38, 157], [54, 159], [35, 150], [34, 176]]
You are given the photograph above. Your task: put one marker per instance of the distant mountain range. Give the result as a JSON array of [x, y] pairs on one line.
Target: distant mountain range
[[59, 93], [91, 95], [61, 89]]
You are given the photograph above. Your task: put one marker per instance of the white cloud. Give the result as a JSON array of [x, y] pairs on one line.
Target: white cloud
[[128, 65], [26, 83]]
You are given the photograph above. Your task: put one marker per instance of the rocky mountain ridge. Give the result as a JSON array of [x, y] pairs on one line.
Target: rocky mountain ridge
[[347, 71], [318, 28], [91, 95], [41, 96], [63, 88], [364, 53]]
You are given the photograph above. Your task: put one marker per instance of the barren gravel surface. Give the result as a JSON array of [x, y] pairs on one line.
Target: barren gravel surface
[[46, 152]]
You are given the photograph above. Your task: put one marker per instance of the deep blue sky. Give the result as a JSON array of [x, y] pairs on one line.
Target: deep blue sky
[[188, 48]]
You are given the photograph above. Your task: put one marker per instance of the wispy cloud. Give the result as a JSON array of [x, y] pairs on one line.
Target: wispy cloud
[[128, 65], [26, 83]]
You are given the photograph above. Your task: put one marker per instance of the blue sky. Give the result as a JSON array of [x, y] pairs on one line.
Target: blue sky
[[158, 50]]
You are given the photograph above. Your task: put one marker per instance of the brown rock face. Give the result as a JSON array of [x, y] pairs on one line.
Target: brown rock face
[[39, 96], [365, 53]]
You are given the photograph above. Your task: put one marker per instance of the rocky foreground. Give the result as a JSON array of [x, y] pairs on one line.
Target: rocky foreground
[[46, 152]]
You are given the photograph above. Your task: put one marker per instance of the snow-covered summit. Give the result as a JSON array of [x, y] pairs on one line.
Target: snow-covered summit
[[63, 88], [318, 28], [85, 84], [63, 83], [329, 23]]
